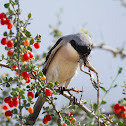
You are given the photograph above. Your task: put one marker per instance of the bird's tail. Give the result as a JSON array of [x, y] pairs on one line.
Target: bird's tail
[[37, 108]]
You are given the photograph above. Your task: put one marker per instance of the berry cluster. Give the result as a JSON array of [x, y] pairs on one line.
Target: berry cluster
[[9, 44], [12, 102], [72, 119], [120, 109], [47, 118], [5, 21]]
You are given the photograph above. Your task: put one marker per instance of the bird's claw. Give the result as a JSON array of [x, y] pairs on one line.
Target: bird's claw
[[61, 89]]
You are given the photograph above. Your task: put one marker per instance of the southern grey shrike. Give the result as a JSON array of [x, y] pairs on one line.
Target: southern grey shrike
[[62, 62]]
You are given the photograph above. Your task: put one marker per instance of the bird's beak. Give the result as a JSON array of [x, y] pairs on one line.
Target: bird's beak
[[88, 65]]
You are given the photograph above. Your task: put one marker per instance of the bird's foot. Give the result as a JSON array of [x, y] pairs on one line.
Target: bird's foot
[[62, 89]]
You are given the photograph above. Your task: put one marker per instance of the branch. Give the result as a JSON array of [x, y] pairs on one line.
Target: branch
[[54, 107], [84, 108], [7, 82], [4, 65], [107, 48]]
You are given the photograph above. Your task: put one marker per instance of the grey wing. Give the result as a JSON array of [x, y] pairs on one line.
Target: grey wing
[[52, 53]]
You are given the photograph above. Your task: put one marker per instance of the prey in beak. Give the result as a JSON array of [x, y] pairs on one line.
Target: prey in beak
[[84, 62]]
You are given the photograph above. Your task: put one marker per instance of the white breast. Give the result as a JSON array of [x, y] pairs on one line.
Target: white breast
[[64, 65]]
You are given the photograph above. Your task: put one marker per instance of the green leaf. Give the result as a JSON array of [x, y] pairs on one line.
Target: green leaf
[[7, 85], [40, 74], [24, 101], [6, 5], [11, 12], [11, 78], [104, 89], [16, 2], [120, 70], [90, 115], [29, 15], [5, 34], [115, 86], [29, 48], [23, 96], [21, 91], [12, 2], [59, 122], [67, 122], [120, 123], [0, 80], [95, 106], [28, 105], [15, 111], [28, 34], [31, 41], [111, 116], [103, 102], [2, 56], [29, 98]]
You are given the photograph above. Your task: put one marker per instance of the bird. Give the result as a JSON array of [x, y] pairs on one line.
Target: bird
[[61, 64]]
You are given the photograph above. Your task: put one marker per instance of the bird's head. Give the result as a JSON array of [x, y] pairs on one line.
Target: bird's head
[[83, 45]]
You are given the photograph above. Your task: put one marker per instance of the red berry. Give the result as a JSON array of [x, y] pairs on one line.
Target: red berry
[[116, 106], [10, 44], [2, 15], [64, 124], [8, 113], [3, 21], [45, 121], [37, 45], [29, 79], [117, 110], [30, 54], [10, 52], [7, 21], [13, 66], [3, 41], [123, 108], [48, 117], [15, 102], [30, 94], [123, 115], [71, 115], [9, 25], [11, 104], [26, 56], [7, 99], [30, 110], [25, 75], [5, 107], [16, 72], [48, 92]]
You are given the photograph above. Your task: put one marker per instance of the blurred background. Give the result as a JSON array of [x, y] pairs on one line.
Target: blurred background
[[105, 21]]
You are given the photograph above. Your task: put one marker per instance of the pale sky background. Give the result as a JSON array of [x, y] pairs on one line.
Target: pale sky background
[[106, 22]]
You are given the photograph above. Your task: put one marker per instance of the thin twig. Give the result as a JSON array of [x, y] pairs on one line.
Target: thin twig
[[6, 82], [107, 48], [4, 65], [54, 107], [84, 108]]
